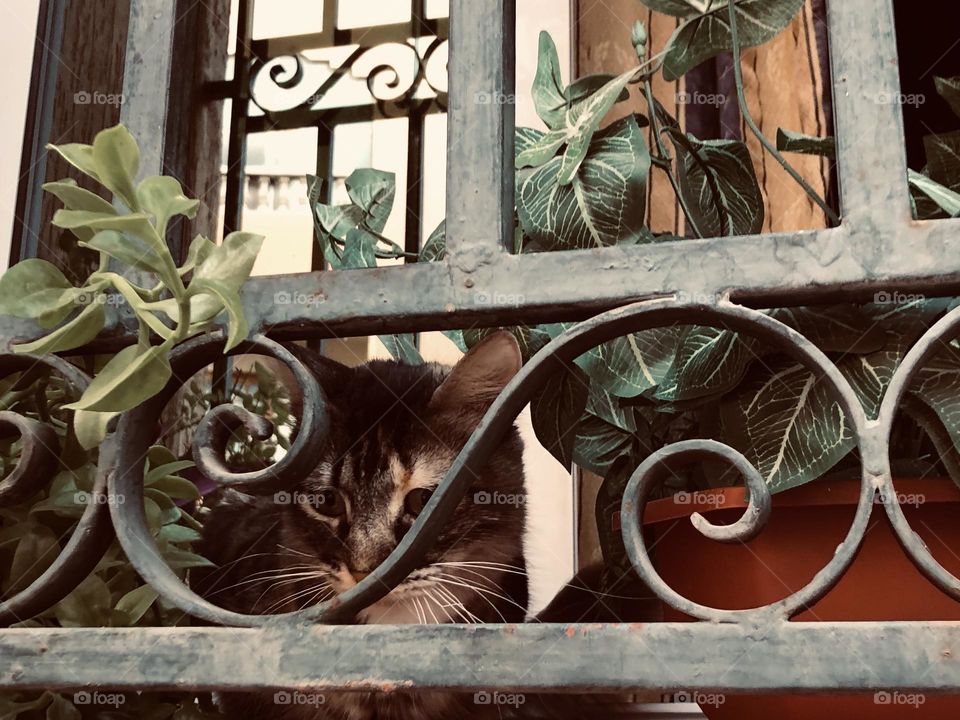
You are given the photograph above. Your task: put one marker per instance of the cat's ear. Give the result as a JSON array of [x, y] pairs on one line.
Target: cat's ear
[[331, 375], [481, 374]]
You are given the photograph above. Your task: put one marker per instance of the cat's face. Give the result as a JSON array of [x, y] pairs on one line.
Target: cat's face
[[395, 431]]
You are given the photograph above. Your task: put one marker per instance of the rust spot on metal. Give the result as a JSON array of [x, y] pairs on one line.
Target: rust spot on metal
[[570, 631]]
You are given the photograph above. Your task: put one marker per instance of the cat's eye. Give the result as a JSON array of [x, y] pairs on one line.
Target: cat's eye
[[416, 500], [326, 501]]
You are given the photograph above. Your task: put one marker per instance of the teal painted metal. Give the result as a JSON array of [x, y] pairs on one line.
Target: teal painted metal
[[876, 245]]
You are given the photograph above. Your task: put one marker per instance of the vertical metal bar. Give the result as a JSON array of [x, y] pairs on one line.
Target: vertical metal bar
[[236, 154], [239, 105], [480, 125], [146, 77], [871, 153], [180, 107], [43, 86], [414, 209]]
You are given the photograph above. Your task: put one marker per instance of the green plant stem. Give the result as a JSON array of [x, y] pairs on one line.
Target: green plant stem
[[664, 156], [748, 119]]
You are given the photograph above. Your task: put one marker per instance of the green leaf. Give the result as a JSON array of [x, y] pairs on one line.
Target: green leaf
[[902, 323], [949, 90], [136, 224], [199, 250], [630, 365], [178, 534], [945, 198], [231, 262], [183, 559], [787, 422], [582, 88], [717, 179], [542, 150], [32, 288], [37, 549], [176, 487], [706, 35], [131, 376], [547, 90], [75, 197], [136, 603], [605, 203], [162, 470], [789, 141], [91, 427], [230, 299], [943, 159], [708, 361], [169, 512], [87, 606], [937, 385], [373, 192], [402, 348], [435, 248], [360, 250], [835, 328], [127, 251], [556, 410], [117, 160], [682, 8], [78, 155], [583, 120], [163, 197], [598, 444], [76, 333]]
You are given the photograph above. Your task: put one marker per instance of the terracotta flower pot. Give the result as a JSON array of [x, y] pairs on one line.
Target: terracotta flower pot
[[805, 527]]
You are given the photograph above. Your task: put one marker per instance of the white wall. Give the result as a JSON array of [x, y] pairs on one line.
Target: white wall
[[18, 27]]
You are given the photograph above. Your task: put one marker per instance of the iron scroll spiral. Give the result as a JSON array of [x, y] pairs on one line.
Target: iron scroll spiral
[[135, 435], [39, 461], [393, 72], [932, 341]]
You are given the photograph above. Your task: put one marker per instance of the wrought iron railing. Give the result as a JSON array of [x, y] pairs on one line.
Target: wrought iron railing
[[876, 245]]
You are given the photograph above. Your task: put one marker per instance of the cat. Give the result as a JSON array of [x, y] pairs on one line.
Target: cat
[[395, 430]]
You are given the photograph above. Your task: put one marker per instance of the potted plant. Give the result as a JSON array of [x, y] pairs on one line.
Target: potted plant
[[631, 396]]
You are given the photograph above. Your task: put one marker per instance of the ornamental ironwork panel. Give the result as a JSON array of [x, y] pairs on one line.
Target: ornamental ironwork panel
[[621, 290]]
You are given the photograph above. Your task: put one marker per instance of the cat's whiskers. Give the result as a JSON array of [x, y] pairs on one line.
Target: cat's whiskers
[[266, 576], [313, 589], [481, 592]]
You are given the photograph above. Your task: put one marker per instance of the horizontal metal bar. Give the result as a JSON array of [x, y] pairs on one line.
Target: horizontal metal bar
[[763, 271], [663, 656], [780, 269]]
